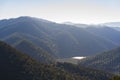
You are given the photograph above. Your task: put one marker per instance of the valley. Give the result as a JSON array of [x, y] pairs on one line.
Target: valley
[[38, 49]]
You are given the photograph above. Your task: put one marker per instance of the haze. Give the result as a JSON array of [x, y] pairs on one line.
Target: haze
[[77, 11]]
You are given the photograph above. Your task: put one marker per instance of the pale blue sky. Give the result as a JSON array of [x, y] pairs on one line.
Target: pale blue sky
[[78, 11]]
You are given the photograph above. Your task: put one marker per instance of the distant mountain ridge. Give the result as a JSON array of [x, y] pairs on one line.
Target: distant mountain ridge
[[116, 28], [60, 40], [107, 33], [112, 24], [76, 24]]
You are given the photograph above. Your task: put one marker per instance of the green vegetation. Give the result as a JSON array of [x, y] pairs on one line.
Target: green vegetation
[[85, 73], [38, 43], [35, 52], [116, 78], [27, 47], [18, 66], [107, 61]]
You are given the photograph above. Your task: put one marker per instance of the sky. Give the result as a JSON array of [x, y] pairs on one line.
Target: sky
[[76, 11]]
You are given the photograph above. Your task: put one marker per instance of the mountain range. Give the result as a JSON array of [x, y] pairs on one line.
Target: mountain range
[[38, 49], [112, 24], [58, 40]]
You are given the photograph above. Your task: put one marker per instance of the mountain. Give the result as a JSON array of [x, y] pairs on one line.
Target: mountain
[[107, 33], [19, 66], [26, 46], [59, 40], [68, 23], [85, 73], [76, 24], [35, 52], [112, 24], [116, 28], [107, 61]]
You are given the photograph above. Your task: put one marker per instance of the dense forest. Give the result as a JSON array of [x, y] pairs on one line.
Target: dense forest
[[85, 73], [18, 66], [115, 78], [108, 61]]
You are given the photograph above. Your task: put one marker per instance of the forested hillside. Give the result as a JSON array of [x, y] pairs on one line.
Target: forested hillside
[[85, 73], [18, 66], [107, 61]]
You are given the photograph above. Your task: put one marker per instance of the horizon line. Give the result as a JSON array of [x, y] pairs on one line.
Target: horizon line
[[60, 22]]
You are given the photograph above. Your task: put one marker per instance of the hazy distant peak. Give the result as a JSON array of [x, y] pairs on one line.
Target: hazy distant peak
[[25, 18], [68, 23], [112, 24], [98, 26], [35, 19], [76, 24]]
